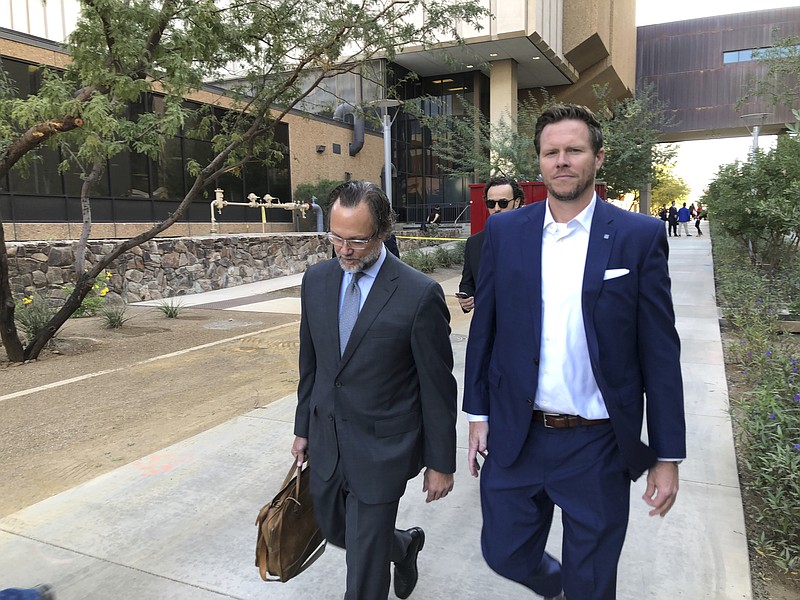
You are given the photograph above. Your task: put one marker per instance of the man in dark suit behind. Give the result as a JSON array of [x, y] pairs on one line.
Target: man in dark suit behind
[[500, 194], [556, 372], [376, 405]]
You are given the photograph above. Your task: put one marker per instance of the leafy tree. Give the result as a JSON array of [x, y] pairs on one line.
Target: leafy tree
[[781, 80], [756, 202], [631, 129], [668, 187], [468, 145], [122, 49]]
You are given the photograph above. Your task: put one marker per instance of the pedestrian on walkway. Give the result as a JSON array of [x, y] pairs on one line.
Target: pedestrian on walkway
[[684, 217], [556, 372], [701, 214], [672, 219], [376, 402], [500, 195]]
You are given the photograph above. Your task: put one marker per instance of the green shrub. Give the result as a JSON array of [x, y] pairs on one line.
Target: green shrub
[[443, 257], [171, 308], [113, 316], [421, 261], [32, 314], [95, 299], [768, 416]]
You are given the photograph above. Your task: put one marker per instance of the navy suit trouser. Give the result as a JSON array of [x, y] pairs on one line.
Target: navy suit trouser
[[579, 470]]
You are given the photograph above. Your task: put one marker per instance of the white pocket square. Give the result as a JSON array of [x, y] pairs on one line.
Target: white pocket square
[[614, 273]]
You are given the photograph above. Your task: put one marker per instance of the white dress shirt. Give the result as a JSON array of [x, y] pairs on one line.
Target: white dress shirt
[[566, 382]]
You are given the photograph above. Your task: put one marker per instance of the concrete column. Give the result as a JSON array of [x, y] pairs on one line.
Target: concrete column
[[503, 89]]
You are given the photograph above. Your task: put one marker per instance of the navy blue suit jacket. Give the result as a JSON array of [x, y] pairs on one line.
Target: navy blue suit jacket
[[629, 323]]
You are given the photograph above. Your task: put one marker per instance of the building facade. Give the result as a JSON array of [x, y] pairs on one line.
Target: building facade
[[703, 69], [563, 46]]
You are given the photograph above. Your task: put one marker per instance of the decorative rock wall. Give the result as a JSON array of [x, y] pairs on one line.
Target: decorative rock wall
[[162, 268]]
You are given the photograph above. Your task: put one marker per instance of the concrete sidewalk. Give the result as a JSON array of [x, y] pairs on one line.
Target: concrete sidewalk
[[179, 523]]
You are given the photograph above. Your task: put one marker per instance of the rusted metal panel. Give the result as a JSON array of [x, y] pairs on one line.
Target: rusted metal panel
[[684, 60]]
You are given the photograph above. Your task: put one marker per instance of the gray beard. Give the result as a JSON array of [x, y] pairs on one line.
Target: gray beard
[[365, 263]]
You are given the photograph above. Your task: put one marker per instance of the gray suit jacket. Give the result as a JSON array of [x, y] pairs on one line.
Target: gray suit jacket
[[387, 407]]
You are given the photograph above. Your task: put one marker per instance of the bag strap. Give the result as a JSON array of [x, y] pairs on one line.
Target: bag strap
[[290, 474], [311, 559]]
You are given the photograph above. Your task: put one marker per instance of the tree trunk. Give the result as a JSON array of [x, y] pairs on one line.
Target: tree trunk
[[8, 328], [86, 213]]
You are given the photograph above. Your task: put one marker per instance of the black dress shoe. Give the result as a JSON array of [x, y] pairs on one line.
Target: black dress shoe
[[406, 573]]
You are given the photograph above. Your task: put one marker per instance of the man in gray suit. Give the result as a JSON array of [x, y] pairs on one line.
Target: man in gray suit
[[377, 398]]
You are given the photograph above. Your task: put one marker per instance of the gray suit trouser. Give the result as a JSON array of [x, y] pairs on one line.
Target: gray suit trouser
[[366, 531]]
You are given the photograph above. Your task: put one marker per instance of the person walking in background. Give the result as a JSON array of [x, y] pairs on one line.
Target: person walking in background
[[684, 216], [556, 372], [376, 401], [500, 194], [672, 219], [700, 214]]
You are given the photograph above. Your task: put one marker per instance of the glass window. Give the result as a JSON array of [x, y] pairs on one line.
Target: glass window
[[168, 171], [129, 176], [40, 178]]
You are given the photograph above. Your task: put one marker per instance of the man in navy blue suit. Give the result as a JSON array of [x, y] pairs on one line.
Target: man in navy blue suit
[[573, 326]]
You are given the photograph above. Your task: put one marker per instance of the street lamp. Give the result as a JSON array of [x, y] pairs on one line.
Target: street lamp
[[385, 105], [757, 119]]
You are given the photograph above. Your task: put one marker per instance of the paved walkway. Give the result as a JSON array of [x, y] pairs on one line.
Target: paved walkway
[[178, 524]]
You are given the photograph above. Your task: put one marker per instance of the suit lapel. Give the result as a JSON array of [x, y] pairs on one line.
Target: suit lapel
[[333, 286], [382, 289], [532, 255], [601, 241]]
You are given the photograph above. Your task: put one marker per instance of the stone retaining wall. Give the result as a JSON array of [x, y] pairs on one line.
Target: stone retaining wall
[[162, 268]]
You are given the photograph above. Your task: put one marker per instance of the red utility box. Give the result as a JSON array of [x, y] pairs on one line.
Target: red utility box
[[534, 191]]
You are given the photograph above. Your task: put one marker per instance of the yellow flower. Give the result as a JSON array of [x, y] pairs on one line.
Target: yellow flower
[[27, 300], [108, 274], [104, 291]]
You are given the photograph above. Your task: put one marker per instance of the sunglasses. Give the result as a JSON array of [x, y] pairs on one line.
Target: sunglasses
[[502, 203]]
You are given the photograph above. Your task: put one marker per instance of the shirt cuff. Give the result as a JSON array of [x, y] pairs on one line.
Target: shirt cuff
[[675, 460], [477, 418]]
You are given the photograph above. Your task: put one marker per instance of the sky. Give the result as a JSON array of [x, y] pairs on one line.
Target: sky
[[697, 162]]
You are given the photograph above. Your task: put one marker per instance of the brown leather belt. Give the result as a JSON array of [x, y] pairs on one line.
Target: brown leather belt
[[557, 421]]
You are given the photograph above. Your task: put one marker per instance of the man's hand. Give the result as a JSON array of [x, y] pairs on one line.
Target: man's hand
[[478, 436], [300, 450], [467, 304], [437, 484], [662, 487]]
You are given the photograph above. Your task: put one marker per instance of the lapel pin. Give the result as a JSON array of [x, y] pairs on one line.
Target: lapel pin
[[605, 237]]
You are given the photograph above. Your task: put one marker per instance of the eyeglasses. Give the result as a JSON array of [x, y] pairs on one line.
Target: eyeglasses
[[338, 242], [503, 203]]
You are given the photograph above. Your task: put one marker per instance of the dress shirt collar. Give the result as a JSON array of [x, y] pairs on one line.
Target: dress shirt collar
[[584, 218]]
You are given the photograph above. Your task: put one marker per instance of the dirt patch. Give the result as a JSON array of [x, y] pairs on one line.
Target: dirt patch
[[99, 398]]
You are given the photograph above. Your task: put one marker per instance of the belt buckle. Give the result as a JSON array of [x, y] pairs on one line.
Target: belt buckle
[[544, 419]]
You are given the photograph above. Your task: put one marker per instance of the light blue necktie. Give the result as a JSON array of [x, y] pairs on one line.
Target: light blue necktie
[[350, 305]]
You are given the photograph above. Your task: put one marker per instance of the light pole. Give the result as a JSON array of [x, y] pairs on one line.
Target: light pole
[[758, 120], [385, 105]]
